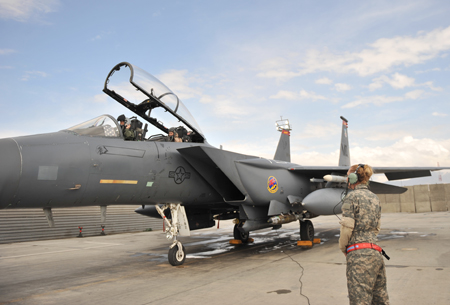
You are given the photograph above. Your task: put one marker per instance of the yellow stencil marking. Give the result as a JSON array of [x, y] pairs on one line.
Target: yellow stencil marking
[[118, 181]]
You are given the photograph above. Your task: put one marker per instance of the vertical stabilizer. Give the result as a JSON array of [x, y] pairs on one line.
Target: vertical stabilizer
[[344, 157], [283, 152]]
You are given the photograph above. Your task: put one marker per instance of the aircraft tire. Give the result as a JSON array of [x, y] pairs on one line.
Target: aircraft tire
[[176, 259], [306, 230], [239, 235]]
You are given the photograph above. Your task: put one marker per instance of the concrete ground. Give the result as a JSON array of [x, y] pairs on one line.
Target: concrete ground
[[133, 268]]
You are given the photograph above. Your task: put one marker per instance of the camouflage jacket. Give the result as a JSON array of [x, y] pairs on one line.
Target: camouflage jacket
[[128, 134], [361, 213]]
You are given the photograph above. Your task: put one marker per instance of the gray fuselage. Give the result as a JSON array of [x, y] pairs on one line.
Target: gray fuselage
[[63, 169]]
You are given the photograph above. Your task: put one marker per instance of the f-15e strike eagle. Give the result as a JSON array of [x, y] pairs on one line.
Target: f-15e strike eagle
[[189, 183]]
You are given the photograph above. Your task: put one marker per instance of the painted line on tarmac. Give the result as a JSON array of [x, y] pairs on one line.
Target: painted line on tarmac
[[62, 251]]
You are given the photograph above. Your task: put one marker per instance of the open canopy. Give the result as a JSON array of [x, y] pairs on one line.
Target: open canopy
[[147, 97]]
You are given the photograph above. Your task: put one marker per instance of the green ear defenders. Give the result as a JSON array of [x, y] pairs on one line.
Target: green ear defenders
[[353, 177]]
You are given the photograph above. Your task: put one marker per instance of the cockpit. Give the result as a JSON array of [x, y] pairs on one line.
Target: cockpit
[[102, 126], [166, 118]]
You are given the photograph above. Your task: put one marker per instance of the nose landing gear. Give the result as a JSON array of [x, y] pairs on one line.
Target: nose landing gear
[[178, 225], [177, 254]]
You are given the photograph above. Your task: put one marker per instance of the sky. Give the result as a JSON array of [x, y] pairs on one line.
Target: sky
[[239, 66]]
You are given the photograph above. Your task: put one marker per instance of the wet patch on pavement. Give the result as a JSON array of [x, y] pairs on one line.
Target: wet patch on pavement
[[280, 291]]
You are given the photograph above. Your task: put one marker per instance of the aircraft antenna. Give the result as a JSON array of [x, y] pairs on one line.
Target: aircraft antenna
[[283, 125]]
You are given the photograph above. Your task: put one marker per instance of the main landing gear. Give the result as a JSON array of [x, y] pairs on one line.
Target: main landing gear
[[306, 230], [178, 225], [240, 235]]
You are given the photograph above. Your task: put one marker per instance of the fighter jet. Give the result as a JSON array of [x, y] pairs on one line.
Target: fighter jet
[[173, 172]]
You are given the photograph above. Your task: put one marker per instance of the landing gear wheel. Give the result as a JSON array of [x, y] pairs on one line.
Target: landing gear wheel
[[240, 235], [306, 230], [176, 258]]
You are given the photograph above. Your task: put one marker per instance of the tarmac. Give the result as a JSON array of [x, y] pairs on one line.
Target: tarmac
[[132, 268]]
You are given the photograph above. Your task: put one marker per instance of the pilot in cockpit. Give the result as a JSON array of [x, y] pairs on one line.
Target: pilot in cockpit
[[121, 119], [125, 125], [179, 134], [185, 135], [173, 135]]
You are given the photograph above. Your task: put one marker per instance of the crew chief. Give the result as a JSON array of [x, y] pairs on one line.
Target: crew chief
[[360, 225]]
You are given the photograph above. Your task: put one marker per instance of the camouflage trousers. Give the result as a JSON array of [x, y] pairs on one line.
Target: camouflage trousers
[[366, 277]]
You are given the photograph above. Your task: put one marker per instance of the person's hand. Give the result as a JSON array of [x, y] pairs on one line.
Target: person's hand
[[128, 126]]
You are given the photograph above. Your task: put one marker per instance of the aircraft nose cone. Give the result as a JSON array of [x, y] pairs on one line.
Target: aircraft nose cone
[[10, 169]]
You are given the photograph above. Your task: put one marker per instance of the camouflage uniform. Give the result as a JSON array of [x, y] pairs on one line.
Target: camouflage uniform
[[366, 272], [128, 134]]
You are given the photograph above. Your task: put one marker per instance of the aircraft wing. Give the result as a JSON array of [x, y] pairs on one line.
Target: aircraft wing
[[397, 173], [382, 188], [392, 173]]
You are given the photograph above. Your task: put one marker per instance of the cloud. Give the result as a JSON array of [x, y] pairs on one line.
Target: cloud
[[376, 100], [273, 63], [324, 81], [252, 149], [206, 99], [318, 130], [386, 133], [386, 53], [102, 35], [342, 87], [429, 70], [379, 100], [227, 106], [381, 55], [414, 95], [6, 51], [377, 83], [296, 96], [439, 114], [430, 85], [101, 98], [180, 82], [24, 10], [287, 95], [236, 106], [9, 133], [315, 158], [399, 81], [281, 74], [98, 37], [33, 74], [407, 151], [124, 89]]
